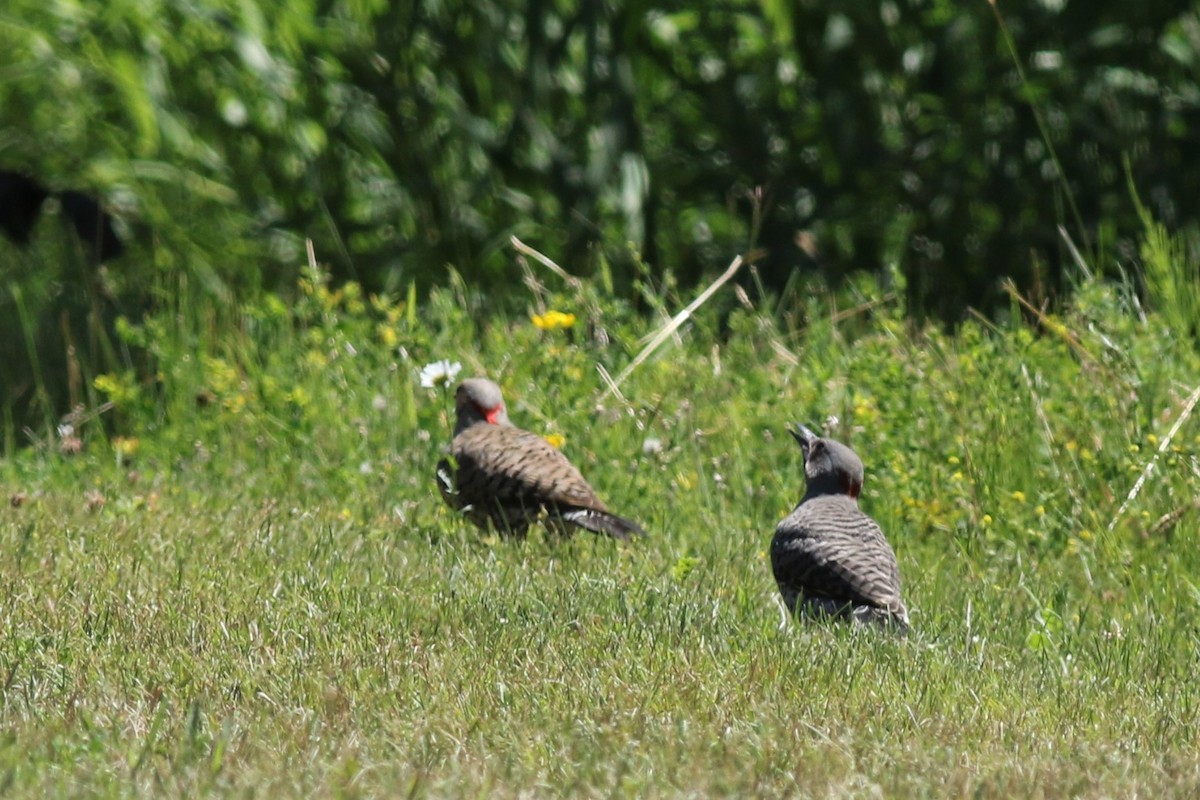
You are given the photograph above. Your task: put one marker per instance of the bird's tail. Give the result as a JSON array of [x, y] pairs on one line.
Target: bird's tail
[[446, 483], [603, 522]]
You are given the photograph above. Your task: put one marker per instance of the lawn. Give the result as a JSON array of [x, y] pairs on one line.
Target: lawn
[[246, 584]]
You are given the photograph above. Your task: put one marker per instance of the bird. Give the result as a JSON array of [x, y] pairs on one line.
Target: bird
[[829, 558], [503, 477]]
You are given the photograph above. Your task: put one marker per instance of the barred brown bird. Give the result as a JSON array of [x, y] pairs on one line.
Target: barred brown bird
[[829, 558], [507, 478]]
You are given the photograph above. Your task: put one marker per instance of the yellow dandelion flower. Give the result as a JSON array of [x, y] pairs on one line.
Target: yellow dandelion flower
[[125, 446], [1019, 496], [556, 440], [387, 334], [1133, 448], [553, 320], [1040, 511], [986, 521], [1152, 440]]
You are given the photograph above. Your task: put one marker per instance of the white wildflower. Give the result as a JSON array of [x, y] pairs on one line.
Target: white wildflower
[[439, 373]]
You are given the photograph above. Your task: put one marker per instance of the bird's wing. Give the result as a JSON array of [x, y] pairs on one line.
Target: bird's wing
[[837, 555], [507, 462]]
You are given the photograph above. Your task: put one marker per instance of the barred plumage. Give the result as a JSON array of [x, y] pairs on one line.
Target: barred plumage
[[828, 557], [501, 476]]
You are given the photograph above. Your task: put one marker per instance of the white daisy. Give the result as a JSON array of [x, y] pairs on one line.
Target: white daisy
[[439, 373]]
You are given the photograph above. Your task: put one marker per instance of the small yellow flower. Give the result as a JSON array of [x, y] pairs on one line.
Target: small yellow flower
[[987, 520], [1133, 448], [556, 440], [952, 460], [387, 334], [235, 404], [553, 320], [1086, 535], [1019, 496], [1152, 440], [126, 447], [298, 397], [1040, 510]]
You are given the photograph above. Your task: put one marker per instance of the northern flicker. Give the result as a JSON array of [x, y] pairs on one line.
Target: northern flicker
[[508, 478], [829, 558]]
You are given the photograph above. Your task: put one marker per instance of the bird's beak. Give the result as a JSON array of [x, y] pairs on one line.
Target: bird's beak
[[803, 436]]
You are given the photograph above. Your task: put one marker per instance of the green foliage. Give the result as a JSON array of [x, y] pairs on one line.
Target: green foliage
[[939, 138], [254, 588], [1171, 272]]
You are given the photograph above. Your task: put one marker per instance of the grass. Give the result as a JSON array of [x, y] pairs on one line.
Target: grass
[[255, 591]]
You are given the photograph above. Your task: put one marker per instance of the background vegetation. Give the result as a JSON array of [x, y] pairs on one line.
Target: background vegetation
[[228, 571], [406, 139]]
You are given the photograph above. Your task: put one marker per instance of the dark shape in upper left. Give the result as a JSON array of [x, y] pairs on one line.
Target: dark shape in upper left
[[21, 200]]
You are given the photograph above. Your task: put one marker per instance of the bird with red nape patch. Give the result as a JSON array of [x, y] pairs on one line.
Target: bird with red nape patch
[[502, 477]]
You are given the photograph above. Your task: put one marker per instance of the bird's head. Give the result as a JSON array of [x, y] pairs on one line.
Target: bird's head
[[829, 467], [479, 400]]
